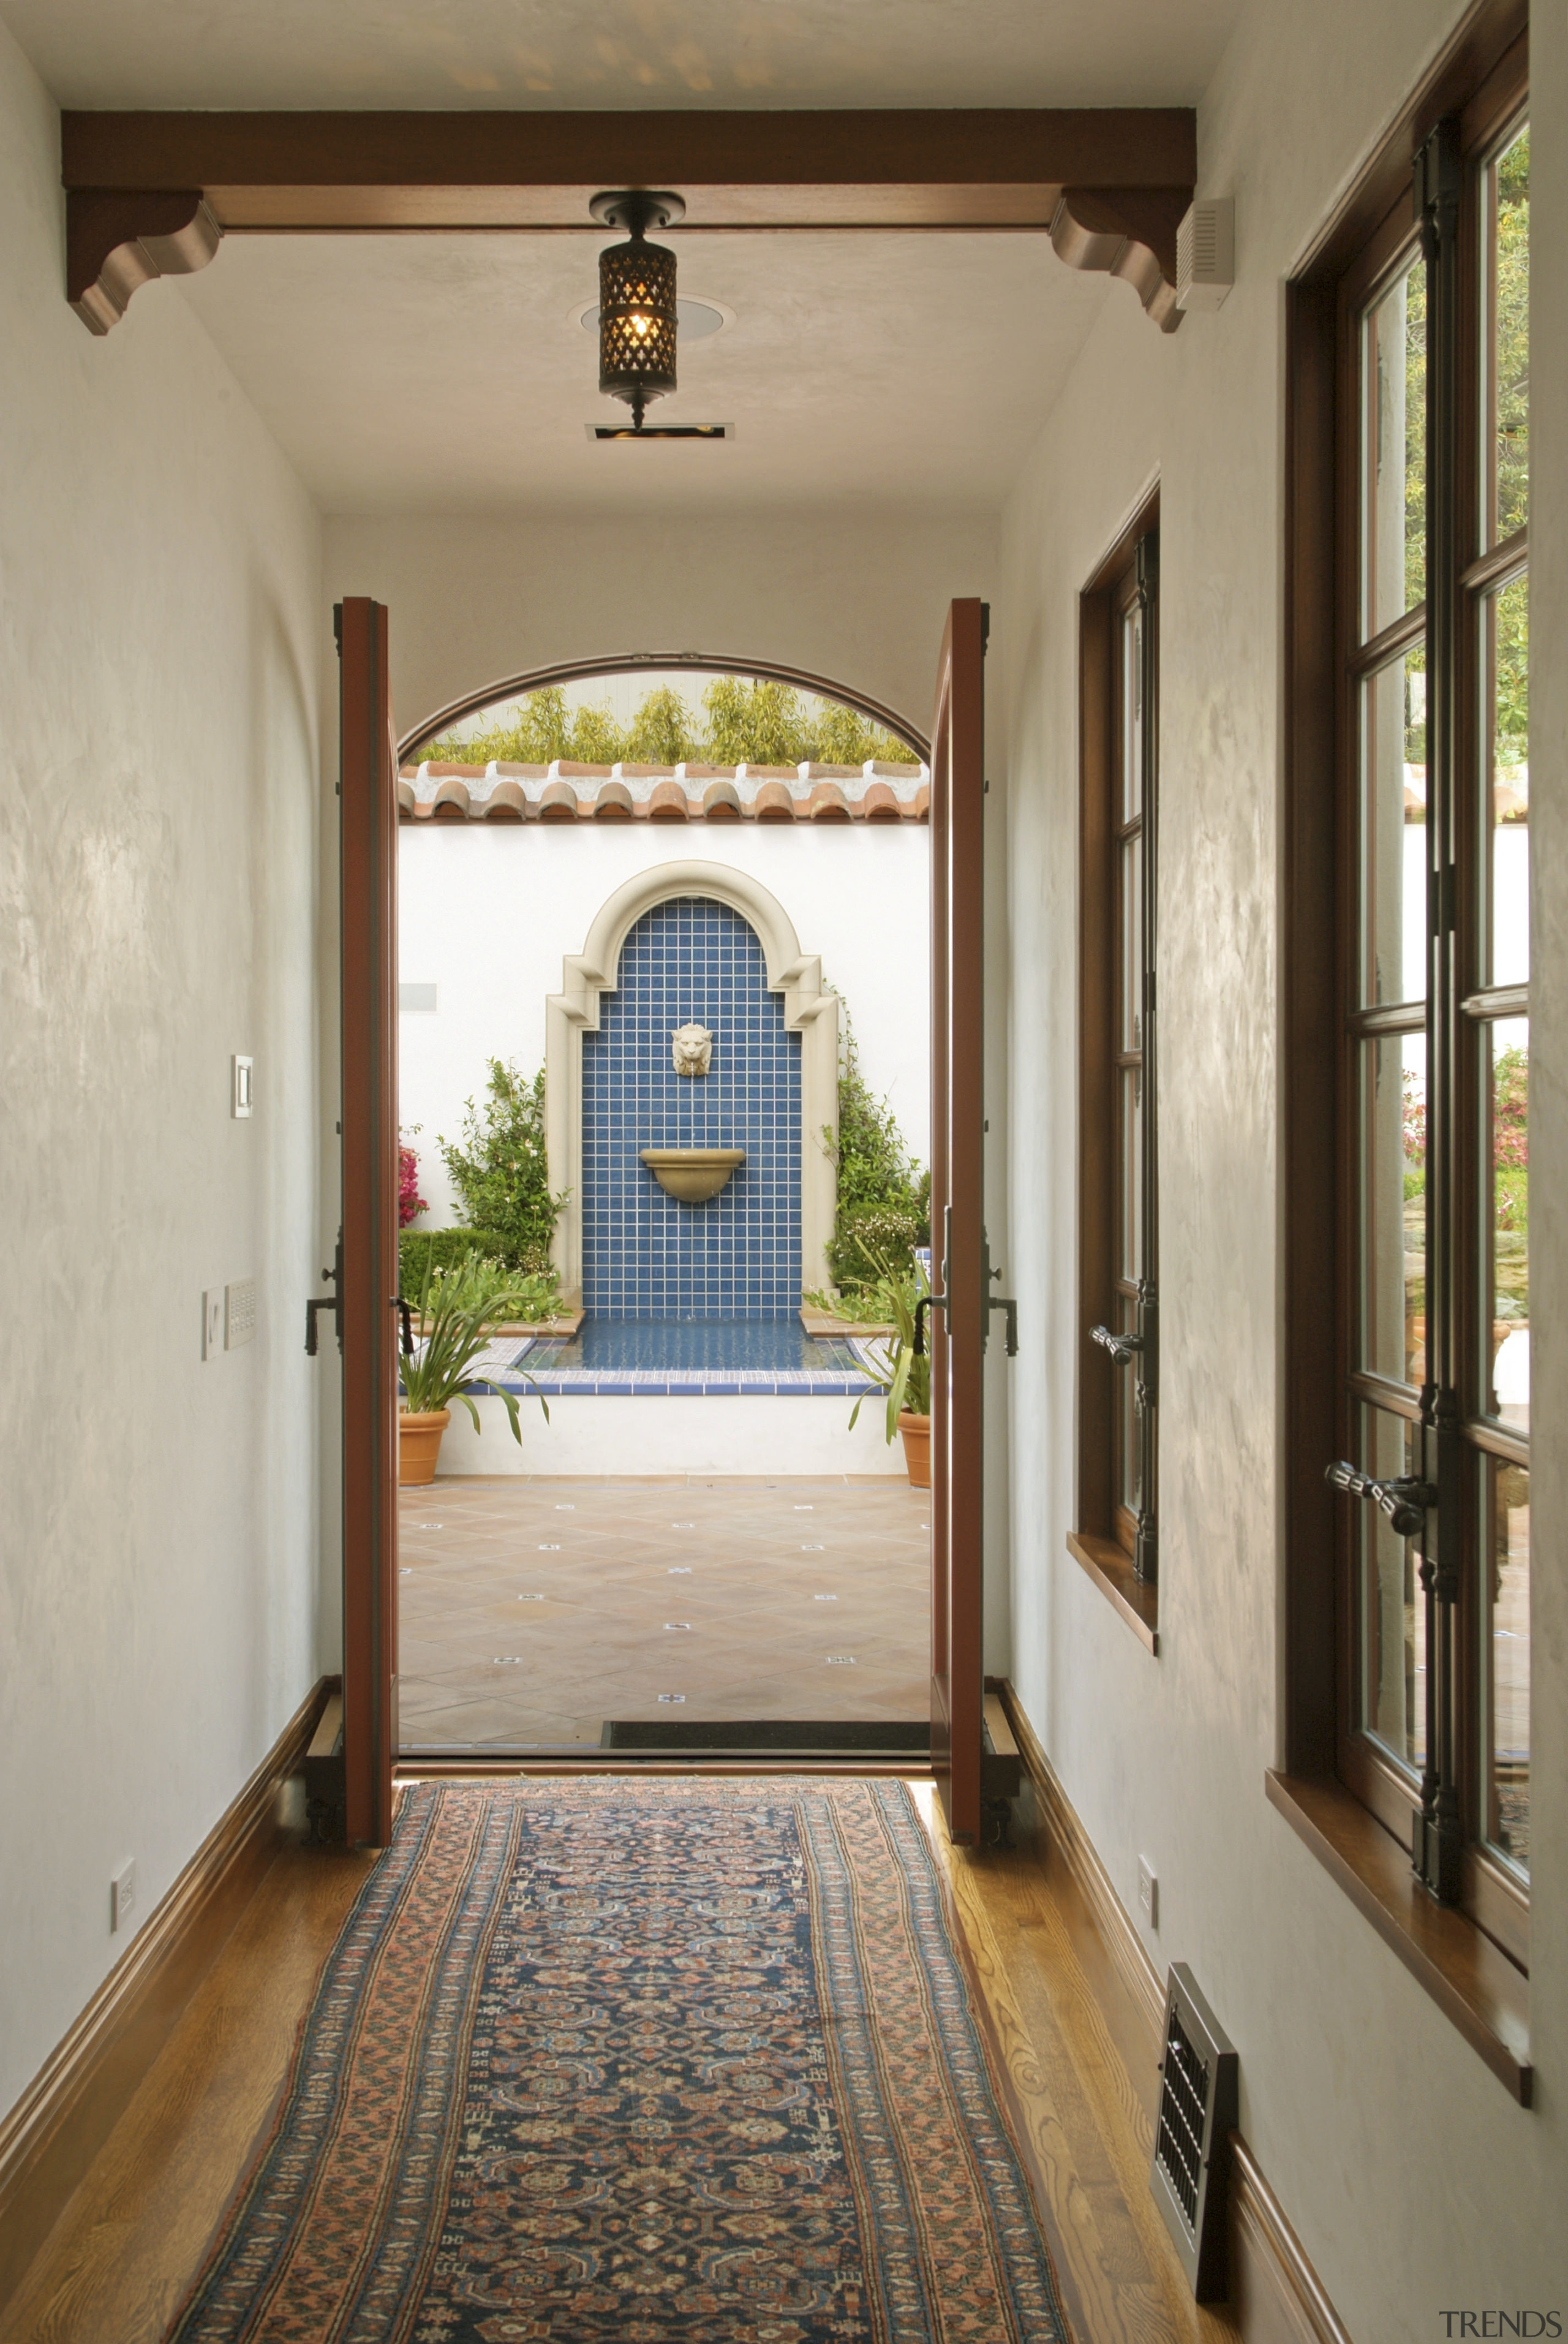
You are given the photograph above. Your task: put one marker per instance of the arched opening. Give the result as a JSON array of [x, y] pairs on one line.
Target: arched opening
[[792, 945]]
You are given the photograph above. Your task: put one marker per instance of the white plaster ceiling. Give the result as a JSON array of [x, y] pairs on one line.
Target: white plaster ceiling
[[448, 373], [622, 52]]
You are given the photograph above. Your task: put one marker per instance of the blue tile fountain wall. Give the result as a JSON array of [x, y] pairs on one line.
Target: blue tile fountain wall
[[645, 1256]]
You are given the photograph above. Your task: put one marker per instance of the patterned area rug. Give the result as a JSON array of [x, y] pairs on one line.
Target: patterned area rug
[[618, 2062]]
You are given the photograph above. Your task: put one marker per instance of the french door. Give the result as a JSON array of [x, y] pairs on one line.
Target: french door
[[960, 1257], [367, 1277]]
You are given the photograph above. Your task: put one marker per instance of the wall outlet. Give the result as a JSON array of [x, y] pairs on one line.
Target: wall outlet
[[212, 1322], [1148, 1893], [238, 1313], [122, 1898]]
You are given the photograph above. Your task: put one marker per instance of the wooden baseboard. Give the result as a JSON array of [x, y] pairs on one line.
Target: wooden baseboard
[[52, 2134], [1278, 2295], [1275, 2293], [1074, 1845]]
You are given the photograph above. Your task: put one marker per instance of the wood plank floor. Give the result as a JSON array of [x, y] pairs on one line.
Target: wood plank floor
[[114, 2268]]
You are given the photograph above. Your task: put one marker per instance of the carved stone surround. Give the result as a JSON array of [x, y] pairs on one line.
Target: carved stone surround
[[808, 1011], [151, 194]]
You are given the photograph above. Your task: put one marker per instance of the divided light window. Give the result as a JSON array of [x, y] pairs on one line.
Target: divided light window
[[1116, 1538], [1434, 1311]]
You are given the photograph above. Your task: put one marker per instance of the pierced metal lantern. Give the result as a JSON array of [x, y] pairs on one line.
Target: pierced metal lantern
[[636, 320]]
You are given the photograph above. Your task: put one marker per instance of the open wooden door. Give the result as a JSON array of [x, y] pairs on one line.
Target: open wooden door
[[368, 1258], [960, 1261]]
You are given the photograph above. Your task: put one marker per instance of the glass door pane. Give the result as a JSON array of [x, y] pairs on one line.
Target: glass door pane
[[1505, 799], [1506, 1314], [1393, 1611], [1393, 1208], [1393, 831], [1393, 453], [1506, 1538], [1506, 214]]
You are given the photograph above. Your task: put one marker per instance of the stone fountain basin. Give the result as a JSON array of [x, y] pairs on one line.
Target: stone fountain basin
[[692, 1175]]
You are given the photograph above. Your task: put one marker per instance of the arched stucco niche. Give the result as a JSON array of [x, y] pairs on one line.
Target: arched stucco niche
[[808, 1011]]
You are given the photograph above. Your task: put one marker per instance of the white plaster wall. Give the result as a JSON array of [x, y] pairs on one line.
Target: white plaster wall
[[160, 660], [487, 914], [860, 599], [1414, 2180]]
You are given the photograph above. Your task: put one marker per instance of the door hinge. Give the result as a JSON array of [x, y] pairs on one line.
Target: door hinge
[[984, 628], [337, 627]]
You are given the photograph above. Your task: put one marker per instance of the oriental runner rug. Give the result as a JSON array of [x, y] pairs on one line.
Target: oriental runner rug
[[640, 2062]]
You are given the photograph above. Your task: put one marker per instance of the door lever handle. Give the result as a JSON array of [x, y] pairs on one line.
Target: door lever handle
[[1404, 1500], [1121, 1348], [320, 1302], [407, 1318], [1005, 1302]]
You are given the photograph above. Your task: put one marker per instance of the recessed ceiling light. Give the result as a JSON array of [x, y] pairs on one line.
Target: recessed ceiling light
[[697, 319]]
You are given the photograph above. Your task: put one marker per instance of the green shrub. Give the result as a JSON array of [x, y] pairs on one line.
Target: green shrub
[[883, 1199], [439, 1250], [500, 1172]]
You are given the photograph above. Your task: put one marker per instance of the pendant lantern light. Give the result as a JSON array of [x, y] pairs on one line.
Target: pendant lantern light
[[636, 320]]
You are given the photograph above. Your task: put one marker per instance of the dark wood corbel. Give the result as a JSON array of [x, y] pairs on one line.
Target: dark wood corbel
[[1130, 232], [117, 238]]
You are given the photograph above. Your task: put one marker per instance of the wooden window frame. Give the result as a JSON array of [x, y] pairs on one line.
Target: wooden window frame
[[1351, 1807], [1104, 1541]]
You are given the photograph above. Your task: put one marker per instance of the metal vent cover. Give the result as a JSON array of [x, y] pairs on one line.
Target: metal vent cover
[[1197, 2115]]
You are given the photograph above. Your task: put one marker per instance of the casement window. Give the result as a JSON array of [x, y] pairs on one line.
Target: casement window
[[1117, 1538], [1407, 1094]]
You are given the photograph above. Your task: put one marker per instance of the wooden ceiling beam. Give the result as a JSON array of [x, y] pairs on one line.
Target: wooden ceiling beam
[[150, 194]]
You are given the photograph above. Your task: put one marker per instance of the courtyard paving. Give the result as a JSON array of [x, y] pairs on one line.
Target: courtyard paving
[[533, 1610]]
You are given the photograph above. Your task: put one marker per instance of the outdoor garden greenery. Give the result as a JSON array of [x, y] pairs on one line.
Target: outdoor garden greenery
[[741, 721], [883, 1197], [454, 1333], [499, 1171], [902, 1374], [468, 1267]]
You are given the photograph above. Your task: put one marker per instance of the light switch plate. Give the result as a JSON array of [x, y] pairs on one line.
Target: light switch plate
[[212, 1322], [242, 1074], [122, 1898], [238, 1313], [1148, 1893]]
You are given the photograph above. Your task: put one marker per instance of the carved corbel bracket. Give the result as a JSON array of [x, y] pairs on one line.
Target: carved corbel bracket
[[117, 238], [1131, 233]]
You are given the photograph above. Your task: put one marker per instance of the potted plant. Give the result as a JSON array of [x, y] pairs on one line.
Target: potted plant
[[455, 1329], [900, 1371]]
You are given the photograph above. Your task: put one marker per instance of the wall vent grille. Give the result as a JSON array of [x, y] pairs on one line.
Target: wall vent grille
[[1192, 2133], [1206, 254]]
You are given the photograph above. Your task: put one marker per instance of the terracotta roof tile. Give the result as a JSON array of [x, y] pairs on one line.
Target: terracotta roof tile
[[827, 803], [611, 802], [774, 802], [569, 792], [558, 802], [720, 799], [668, 802], [507, 801]]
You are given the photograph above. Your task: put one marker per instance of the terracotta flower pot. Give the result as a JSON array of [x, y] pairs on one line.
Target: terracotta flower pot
[[419, 1445], [916, 1434]]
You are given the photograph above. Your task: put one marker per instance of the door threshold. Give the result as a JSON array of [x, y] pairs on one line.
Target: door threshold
[[450, 1764]]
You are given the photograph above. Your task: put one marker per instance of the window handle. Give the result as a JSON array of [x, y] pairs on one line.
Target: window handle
[[1121, 1348], [1404, 1500]]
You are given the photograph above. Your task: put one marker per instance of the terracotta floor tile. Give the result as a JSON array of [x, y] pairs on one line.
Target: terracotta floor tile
[[613, 1560]]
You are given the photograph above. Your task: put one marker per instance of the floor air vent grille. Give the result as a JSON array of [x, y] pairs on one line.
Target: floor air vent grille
[[1192, 2131]]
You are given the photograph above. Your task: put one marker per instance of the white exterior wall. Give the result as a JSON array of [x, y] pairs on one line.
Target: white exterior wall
[[1414, 2182], [159, 666], [487, 914]]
